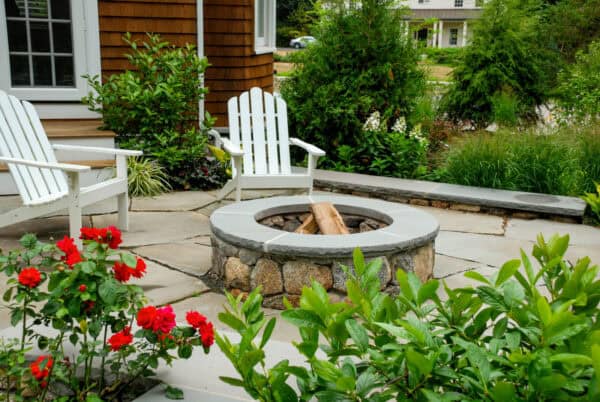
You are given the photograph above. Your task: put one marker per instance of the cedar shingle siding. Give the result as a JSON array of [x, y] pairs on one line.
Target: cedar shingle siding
[[228, 41]]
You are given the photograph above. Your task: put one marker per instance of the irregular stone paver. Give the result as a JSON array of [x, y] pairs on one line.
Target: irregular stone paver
[[211, 304], [580, 235], [163, 285], [175, 201], [488, 250], [447, 266], [203, 240], [157, 394], [147, 228], [456, 221], [186, 257], [209, 209]]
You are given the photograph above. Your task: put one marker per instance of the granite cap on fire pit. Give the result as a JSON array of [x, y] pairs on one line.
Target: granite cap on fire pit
[[407, 228]]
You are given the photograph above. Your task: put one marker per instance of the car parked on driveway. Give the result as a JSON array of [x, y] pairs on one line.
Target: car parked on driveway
[[302, 42]]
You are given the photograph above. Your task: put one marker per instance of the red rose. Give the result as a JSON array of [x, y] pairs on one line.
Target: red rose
[[120, 339], [195, 319], [207, 334], [82, 288], [67, 246], [113, 237], [122, 272], [109, 235], [41, 369], [30, 277], [145, 317], [164, 320], [140, 269]]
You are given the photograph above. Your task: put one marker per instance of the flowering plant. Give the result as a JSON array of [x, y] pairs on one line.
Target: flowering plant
[[85, 296], [386, 150]]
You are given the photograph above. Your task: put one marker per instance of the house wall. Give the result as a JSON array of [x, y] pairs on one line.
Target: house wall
[[229, 47], [228, 42]]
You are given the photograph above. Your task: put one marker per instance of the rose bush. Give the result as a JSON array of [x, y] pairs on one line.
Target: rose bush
[[84, 295]]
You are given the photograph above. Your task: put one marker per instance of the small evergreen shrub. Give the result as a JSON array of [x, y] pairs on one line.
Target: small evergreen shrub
[[154, 106], [579, 88], [530, 333], [362, 62], [500, 59], [446, 56]]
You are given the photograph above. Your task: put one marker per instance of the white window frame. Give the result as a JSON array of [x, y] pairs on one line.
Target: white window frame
[[86, 55], [266, 43]]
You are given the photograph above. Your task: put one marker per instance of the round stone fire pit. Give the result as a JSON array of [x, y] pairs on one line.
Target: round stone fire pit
[[247, 253]]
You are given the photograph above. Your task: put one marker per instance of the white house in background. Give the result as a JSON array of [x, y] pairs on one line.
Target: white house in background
[[443, 23]]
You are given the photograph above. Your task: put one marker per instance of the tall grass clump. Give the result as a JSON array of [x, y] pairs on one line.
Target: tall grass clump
[[565, 161]]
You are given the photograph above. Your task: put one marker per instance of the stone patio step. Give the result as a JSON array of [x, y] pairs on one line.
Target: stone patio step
[[485, 197]]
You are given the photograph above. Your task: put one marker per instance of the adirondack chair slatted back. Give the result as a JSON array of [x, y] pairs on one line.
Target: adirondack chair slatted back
[[258, 124], [22, 136]]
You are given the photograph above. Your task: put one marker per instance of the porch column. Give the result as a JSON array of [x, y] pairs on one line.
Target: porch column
[[440, 33], [465, 32]]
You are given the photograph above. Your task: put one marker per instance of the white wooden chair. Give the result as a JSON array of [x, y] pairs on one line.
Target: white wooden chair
[[41, 181], [259, 145]]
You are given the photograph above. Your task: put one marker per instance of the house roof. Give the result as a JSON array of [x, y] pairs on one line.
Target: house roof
[[445, 14]]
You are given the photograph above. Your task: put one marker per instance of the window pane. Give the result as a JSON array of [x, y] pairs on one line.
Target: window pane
[[64, 71], [19, 70], [38, 8], [42, 70], [60, 9], [17, 36], [14, 9], [40, 36], [62, 37]]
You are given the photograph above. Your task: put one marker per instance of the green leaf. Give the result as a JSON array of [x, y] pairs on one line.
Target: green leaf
[[93, 398], [268, 331], [572, 359], [507, 271], [184, 351], [359, 261], [596, 364], [503, 391], [7, 295], [416, 359], [544, 310], [427, 291], [477, 276], [232, 381], [231, 321], [358, 334], [173, 393], [129, 259], [303, 318]]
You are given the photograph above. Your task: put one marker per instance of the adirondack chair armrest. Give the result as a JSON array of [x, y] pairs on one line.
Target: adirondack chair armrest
[[216, 135], [97, 150], [230, 148], [311, 149], [65, 167]]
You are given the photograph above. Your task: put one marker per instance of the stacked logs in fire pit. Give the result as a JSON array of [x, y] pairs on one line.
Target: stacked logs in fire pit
[[324, 218]]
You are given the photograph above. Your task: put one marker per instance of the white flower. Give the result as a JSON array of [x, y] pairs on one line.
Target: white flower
[[416, 132], [373, 122], [400, 125]]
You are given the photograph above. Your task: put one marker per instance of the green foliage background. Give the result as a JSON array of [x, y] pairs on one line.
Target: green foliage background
[[362, 62]]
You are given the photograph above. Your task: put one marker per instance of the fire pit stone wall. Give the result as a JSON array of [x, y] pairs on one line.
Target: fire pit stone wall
[[247, 254]]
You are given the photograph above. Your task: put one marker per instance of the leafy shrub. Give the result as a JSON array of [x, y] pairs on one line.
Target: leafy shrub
[[579, 89], [525, 335], [146, 178], [505, 109], [559, 162], [90, 304], [593, 201], [383, 151], [447, 56], [362, 62], [154, 106], [500, 59]]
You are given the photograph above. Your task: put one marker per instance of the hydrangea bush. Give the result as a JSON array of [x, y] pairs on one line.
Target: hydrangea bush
[[83, 298], [385, 150]]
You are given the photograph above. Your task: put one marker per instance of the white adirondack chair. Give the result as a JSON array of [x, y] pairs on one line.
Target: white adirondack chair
[[41, 181], [259, 145]]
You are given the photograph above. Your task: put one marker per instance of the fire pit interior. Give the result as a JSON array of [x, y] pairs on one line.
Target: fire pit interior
[[282, 243]]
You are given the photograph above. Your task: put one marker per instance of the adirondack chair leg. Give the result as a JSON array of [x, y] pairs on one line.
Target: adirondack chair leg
[[227, 188], [312, 164], [74, 209], [123, 199]]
